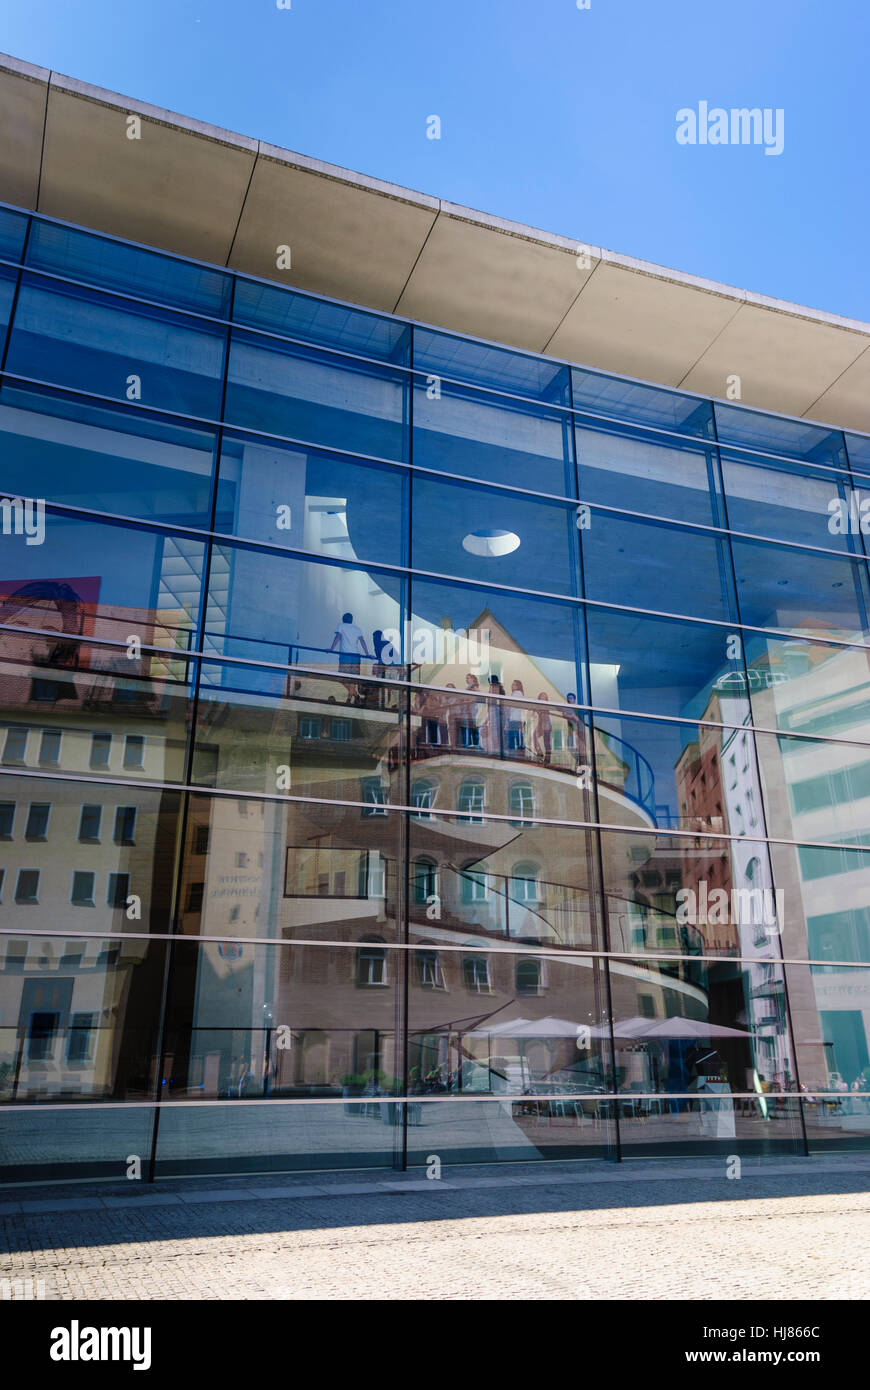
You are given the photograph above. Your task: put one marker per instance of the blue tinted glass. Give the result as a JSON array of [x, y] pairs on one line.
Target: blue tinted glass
[[858, 446], [7, 294], [781, 587], [108, 458], [315, 397], [318, 321], [311, 501], [647, 564], [277, 608], [503, 537], [509, 636], [809, 687], [133, 270], [775, 435], [643, 405], [89, 578], [500, 441], [13, 226], [815, 789], [788, 502], [645, 473], [665, 667], [441, 355], [98, 344]]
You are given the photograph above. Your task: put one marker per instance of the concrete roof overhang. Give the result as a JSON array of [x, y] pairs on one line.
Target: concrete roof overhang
[[214, 196]]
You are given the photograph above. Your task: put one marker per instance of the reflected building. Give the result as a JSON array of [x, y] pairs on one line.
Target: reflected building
[[407, 736]]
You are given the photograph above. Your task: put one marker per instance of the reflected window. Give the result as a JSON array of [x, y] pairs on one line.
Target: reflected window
[[522, 804], [82, 894], [475, 884], [425, 880], [37, 821], [7, 819], [525, 883], [15, 746], [27, 887], [429, 972], [49, 747], [101, 745], [41, 1036], [422, 799], [89, 824], [374, 796], [118, 890], [81, 1042], [475, 972], [125, 825], [471, 795], [528, 976], [371, 962], [134, 751]]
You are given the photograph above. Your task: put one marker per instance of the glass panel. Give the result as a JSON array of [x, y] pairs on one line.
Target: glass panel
[[643, 404], [489, 1129], [858, 447], [96, 580], [697, 777], [830, 1007], [125, 837], [712, 1037], [80, 1019], [311, 501], [692, 895], [458, 430], [306, 395], [475, 533], [651, 565], [7, 294], [292, 870], [13, 229], [789, 503], [776, 435], [826, 893], [665, 667], [318, 321], [442, 355], [809, 687], [315, 736], [133, 270], [474, 879], [645, 473], [815, 789], [826, 594], [104, 457], [248, 1022], [41, 1145], [269, 607], [83, 708], [92, 342], [474, 639], [534, 1024]]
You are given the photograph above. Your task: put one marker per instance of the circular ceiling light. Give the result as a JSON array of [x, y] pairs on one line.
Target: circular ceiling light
[[490, 543]]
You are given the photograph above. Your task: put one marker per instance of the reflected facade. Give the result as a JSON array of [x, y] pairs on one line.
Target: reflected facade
[[409, 745]]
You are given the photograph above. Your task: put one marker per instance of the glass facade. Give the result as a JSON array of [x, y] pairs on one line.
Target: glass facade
[[411, 746]]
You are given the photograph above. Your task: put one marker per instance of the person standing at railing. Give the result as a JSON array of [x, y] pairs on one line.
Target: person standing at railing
[[543, 731], [494, 714], [576, 730], [515, 722], [350, 643]]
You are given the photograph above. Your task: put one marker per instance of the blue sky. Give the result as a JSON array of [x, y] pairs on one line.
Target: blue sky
[[559, 117]]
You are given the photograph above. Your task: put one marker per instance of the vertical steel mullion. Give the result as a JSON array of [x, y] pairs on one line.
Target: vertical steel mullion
[[751, 730], [595, 857], [184, 818], [13, 307], [403, 880]]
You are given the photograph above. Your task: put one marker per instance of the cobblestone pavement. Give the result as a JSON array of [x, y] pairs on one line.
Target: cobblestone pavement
[[786, 1230]]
